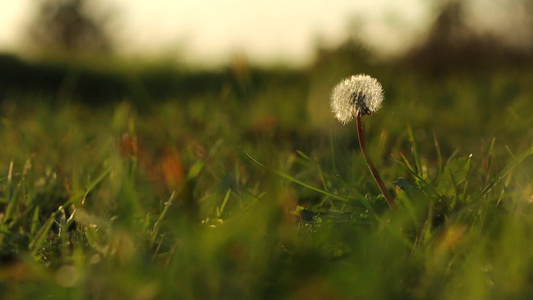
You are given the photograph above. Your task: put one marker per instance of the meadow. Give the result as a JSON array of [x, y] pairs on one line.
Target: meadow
[[259, 193]]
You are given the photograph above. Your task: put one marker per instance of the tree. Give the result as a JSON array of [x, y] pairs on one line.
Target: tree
[[69, 27], [452, 44]]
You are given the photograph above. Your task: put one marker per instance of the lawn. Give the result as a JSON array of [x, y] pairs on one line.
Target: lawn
[[259, 193]]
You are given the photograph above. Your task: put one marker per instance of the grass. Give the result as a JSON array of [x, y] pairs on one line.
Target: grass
[[269, 197]]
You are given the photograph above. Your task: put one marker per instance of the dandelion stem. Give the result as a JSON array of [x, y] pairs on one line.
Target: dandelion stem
[[373, 170]]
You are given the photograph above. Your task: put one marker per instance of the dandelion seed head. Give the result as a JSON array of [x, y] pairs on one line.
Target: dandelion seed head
[[357, 95]]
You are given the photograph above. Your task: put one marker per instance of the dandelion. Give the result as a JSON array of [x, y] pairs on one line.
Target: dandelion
[[355, 97], [358, 95]]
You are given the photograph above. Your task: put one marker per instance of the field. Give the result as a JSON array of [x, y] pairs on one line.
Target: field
[[259, 193]]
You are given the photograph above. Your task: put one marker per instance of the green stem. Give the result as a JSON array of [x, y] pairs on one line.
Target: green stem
[[373, 170]]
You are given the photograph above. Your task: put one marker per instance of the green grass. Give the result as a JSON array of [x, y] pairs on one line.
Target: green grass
[[269, 197]]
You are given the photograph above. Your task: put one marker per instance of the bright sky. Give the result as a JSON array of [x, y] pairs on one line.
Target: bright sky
[[266, 31]]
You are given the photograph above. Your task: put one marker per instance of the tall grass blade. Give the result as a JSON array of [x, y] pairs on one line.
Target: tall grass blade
[[40, 237], [288, 177], [221, 210], [157, 225], [414, 148], [10, 203], [503, 173], [94, 183], [319, 167], [439, 154]]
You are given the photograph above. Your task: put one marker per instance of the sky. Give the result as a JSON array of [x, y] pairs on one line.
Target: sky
[[266, 31], [263, 30], [210, 31]]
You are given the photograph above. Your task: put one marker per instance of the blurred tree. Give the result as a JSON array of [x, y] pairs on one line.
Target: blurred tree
[[70, 27], [451, 44]]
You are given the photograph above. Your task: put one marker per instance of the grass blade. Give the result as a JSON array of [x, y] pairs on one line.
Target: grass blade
[[10, 202], [157, 225], [288, 177], [414, 149], [219, 211], [439, 153], [94, 184], [319, 167], [40, 237], [503, 173]]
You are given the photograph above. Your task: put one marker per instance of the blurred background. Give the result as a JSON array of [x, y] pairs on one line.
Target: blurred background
[[102, 51], [108, 108], [207, 32]]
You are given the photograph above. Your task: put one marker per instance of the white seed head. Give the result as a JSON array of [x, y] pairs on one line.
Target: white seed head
[[357, 95]]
